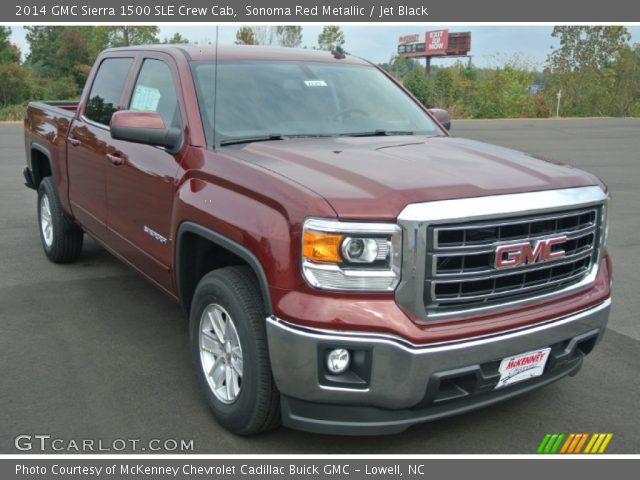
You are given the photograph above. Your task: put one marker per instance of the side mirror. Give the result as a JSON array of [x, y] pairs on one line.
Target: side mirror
[[144, 127], [442, 116]]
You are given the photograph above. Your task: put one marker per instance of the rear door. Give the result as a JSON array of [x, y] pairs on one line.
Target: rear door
[[140, 189], [89, 143]]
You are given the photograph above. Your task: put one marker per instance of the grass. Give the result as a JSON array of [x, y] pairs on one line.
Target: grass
[[12, 113]]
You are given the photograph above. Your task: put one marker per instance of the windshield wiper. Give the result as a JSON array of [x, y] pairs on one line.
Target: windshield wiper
[[377, 133], [264, 138], [272, 136]]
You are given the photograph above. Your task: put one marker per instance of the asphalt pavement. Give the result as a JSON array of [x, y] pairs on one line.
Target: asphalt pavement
[[91, 351]]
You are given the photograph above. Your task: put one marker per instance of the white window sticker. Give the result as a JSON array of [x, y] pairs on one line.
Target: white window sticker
[[145, 98], [315, 83]]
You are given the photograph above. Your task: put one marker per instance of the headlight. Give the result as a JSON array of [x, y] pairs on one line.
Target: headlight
[[351, 256]]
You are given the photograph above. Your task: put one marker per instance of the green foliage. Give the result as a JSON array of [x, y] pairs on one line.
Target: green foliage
[[61, 58], [245, 36], [401, 67], [283, 35], [176, 39], [416, 82], [330, 37], [12, 113], [9, 53], [14, 86], [595, 70], [125, 36], [289, 35]]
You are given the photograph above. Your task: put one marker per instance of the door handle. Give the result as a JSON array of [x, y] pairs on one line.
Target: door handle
[[74, 141], [115, 159]]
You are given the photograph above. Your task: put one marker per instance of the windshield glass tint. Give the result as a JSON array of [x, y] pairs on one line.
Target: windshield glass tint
[[260, 98]]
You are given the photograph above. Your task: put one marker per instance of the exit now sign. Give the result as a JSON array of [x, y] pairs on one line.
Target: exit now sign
[[437, 41]]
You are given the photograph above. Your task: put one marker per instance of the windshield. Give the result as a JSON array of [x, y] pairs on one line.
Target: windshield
[[268, 100]]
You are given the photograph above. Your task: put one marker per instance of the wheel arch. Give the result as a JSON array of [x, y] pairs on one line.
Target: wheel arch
[[41, 165], [188, 271]]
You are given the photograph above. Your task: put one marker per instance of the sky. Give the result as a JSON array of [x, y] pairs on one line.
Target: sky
[[490, 45]]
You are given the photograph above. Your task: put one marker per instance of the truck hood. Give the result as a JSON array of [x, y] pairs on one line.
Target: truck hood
[[376, 177]]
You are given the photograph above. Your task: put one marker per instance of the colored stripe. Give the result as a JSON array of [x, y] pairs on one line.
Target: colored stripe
[[550, 443], [584, 439], [596, 445], [557, 444], [575, 442], [566, 444], [543, 443], [590, 444], [607, 439]]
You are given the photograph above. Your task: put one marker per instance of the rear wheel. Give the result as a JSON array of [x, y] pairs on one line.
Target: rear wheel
[[61, 239], [229, 348]]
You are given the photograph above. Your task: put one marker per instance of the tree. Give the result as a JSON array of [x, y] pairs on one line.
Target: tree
[[330, 37], [9, 53], [72, 57], [245, 36], [285, 36], [400, 67], [125, 36], [265, 35], [176, 39], [289, 36], [584, 70], [416, 82], [587, 47], [13, 84]]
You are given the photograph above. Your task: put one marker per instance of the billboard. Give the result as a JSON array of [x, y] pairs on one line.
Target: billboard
[[434, 44], [437, 42], [414, 43]]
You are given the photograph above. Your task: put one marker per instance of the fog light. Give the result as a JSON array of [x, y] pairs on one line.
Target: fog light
[[338, 360]]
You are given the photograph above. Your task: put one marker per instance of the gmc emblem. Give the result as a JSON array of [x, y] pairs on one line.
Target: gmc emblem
[[514, 255]]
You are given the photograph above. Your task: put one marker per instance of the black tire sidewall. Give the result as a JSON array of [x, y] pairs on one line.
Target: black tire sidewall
[[239, 414]]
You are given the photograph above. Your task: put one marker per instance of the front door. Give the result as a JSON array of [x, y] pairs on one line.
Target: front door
[[141, 182]]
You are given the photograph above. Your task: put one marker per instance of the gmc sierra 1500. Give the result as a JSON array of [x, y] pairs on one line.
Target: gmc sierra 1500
[[346, 265]]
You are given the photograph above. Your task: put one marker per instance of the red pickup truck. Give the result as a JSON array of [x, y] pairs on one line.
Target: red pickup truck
[[346, 265]]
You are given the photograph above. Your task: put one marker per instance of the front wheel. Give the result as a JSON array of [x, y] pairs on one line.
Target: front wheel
[[229, 348], [61, 239]]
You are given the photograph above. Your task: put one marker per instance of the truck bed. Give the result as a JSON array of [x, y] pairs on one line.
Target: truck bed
[[57, 107]]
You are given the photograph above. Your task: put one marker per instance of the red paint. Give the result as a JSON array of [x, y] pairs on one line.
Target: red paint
[[259, 195], [132, 118]]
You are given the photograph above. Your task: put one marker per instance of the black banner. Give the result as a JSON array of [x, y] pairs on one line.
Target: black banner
[[301, 11]]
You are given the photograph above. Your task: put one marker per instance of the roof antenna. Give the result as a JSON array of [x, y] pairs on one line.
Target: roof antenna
[[215, 93], [338, 53]]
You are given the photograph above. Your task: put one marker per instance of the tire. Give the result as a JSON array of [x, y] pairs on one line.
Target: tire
[[61, 239], [242, 395]]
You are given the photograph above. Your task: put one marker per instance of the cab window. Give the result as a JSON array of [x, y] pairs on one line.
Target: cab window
[[155, 91], [107, 89]]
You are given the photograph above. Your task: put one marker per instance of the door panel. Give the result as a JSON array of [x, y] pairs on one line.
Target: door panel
[[140, 197], [141, 178]]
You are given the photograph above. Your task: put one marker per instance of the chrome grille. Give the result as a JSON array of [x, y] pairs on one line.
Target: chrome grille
[[460, 264]]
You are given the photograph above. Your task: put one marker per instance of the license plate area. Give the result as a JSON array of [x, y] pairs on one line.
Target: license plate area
[[523, 366]]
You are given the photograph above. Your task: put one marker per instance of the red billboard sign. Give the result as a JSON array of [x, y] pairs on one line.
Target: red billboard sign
[[437, 41]]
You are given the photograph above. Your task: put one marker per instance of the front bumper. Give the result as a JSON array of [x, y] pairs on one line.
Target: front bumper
[[408, 384]]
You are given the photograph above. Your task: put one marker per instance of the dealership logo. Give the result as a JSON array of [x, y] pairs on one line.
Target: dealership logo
[[515, 255], [574, 443]]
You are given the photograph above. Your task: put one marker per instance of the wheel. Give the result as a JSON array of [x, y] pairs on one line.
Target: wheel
[[229, 348], [61, 239]]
